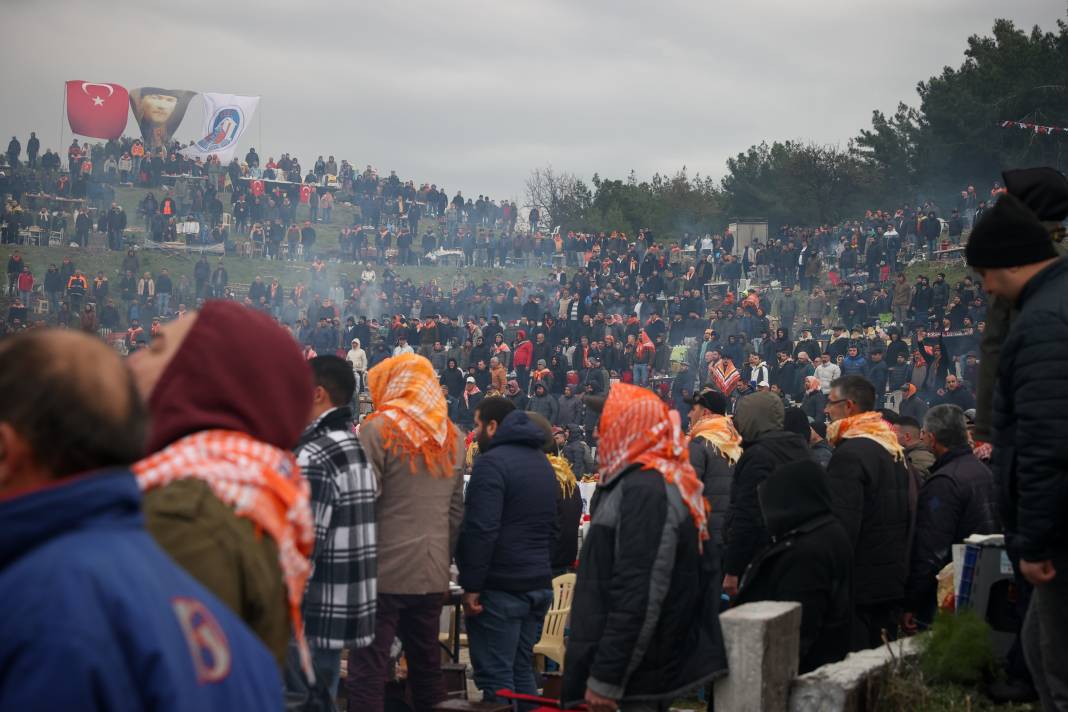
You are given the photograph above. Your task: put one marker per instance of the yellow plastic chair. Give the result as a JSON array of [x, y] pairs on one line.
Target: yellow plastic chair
[[552, 643]]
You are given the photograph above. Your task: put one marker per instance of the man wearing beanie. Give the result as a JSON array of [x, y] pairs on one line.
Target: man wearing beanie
[[228, 393], [1011, 250], [1045, 192]]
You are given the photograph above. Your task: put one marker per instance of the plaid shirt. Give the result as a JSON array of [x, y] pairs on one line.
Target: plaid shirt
[[339, 603]]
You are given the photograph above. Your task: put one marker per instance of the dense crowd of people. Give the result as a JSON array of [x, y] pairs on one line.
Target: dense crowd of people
[[795, 419]]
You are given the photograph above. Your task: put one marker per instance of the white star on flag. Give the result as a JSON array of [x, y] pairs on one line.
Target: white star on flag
[[97, 101]]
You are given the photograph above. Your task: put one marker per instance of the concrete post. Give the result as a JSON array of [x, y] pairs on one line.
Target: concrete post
[[763, 642]]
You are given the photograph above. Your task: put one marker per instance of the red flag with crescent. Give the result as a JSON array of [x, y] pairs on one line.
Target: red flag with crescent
[[257, 187], [97, 110], [305, 193]]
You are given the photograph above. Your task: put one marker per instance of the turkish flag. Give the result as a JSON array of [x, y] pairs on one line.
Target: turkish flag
[[97, 110], [257, 187], [305, 193]]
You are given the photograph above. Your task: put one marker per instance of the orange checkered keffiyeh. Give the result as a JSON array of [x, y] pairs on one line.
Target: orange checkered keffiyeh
[[866, 425], [637, 427], [720, 431], [261, 482], [414, 416]]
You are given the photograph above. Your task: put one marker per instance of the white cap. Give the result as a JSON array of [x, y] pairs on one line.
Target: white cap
[[763, 384], [470, 379]]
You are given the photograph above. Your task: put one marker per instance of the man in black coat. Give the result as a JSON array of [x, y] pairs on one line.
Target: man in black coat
[[1013, 253], [759, 419], [957, 499], [713, 453], [870, 488], [810, 560], [645, 613]]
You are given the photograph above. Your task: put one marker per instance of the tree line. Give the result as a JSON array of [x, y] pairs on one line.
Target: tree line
[[951, 139]]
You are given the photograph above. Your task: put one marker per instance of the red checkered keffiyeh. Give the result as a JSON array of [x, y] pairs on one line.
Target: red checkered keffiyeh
[[261, 482], [413, 413], [637, 427]]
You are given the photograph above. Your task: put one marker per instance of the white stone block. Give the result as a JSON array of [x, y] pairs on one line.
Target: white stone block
[[843, 686], [763, 642]]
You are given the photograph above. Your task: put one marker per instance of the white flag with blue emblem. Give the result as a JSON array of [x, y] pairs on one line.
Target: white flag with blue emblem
[[226, 116]]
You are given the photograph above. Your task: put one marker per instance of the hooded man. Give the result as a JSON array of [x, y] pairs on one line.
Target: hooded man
[[357, 358], [872, 491], [513, 393], [97, 616], [569, 408], [809, 560], [417, 455], [543, 403], [645, 621], [765, 446], [1011, 250], [911, 404], [506, 547], [223, 494]]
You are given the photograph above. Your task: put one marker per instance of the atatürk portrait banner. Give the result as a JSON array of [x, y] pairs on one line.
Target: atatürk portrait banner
[[159, 112]]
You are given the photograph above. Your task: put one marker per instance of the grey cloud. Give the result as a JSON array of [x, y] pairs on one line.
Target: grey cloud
[[472, 94]]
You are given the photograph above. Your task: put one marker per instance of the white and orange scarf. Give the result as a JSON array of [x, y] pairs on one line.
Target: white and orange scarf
[[720, 431], [637, 427], [413, 413], [262, 483], [868, 425]]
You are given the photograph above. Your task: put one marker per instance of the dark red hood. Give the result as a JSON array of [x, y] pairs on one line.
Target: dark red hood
[[236, 370]]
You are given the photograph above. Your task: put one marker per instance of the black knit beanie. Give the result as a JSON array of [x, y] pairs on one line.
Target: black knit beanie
[[1008, 235], [1043, 190]]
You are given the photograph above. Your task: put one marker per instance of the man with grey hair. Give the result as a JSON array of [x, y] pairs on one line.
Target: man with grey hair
[[957, 500]]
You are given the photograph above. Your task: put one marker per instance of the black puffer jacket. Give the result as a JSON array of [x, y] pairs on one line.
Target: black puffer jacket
[[810, 561], [715, 471], [645, 616], [1030, 420], [871, 498], [744, 530], [958, 499], [508, 536]]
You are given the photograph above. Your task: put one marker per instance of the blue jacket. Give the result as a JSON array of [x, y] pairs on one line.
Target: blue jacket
[[97, 617], [509, 529]]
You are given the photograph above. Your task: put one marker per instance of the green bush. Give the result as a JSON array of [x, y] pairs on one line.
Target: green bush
[[958, 649]]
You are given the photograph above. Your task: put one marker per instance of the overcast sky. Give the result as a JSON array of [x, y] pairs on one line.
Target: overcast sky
[[472, 94]]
